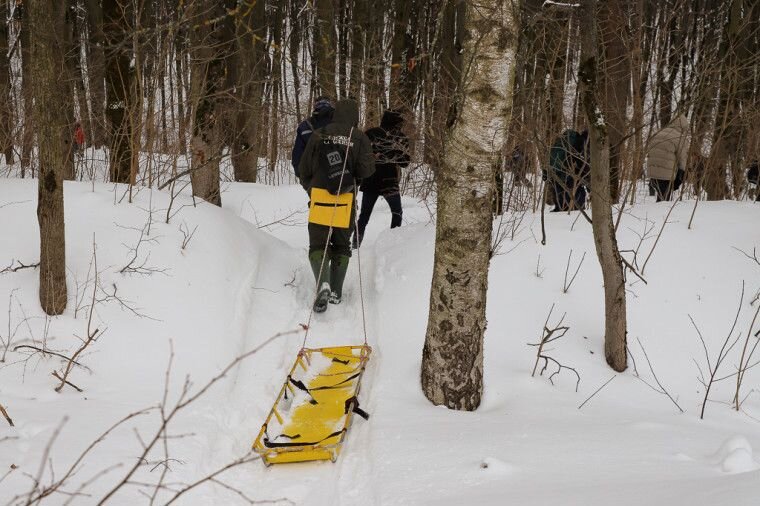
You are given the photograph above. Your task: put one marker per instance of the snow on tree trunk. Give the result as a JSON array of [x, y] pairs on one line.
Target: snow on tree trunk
[[604, 229], [51, 104], [452, 358]]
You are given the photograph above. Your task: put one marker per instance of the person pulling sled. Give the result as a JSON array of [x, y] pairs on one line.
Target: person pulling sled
[[336, 157]]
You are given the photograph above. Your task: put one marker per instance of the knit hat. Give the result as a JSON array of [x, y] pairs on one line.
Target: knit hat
[[322, 102]]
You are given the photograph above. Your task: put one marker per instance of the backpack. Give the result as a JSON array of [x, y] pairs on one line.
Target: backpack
[[332, 153]]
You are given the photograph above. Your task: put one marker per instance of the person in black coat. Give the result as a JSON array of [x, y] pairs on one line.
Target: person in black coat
[[391, 150], [569, 172], [336, 156], [321, 116], [753, 176]]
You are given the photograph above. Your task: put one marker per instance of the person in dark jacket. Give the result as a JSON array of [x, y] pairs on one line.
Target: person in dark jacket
[[321, 116], [753, 176], [336, 156], [390, 148], [569, 170]]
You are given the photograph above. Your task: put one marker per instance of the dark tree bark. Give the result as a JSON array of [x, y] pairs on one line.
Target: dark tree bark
[[96, 72], [615, 330], [52, 116], [247, 75], [325, 46], [117, 23], [617, 84], [209, 47]]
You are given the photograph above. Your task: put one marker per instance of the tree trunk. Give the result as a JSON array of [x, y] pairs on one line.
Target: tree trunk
[[603, 226], [96, 73], [51, 110], [6, 111], [325, 47], [117, 19], [617, 84], [247, 74], [452, 358], [27, 90], [209, 48]]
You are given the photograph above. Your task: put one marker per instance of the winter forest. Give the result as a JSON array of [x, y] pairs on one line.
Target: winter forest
[[333, 252]]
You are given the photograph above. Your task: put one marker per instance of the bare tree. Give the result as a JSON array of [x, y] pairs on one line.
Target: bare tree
[[210, 46], [51, 102], [452, 358], [117, 23], [615, 330]]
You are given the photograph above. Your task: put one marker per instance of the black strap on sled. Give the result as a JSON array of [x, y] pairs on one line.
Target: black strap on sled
[[272, 444], [353, 405]]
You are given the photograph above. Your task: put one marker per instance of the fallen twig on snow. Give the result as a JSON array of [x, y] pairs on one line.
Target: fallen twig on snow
[[548, 336], [597, 391], [6, 415], [661, 389]]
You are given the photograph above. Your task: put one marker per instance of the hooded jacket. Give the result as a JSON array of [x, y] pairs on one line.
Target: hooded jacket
[[667, 150], [391, 150], [360, 162]]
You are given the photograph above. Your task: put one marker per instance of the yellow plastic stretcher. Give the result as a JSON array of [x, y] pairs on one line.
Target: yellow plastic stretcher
[[313, 410]]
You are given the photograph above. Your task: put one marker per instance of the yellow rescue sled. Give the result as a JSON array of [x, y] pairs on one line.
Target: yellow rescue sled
[[313, 410]]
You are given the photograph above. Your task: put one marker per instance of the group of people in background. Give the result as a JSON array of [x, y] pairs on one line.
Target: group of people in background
[[332, 158], [568, 175]]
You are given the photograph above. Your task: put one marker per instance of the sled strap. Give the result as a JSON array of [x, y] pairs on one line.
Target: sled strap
[[271, 444], [353, 405]]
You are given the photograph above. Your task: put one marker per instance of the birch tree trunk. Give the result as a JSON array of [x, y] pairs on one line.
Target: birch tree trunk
[[51, 117], [6, 109], [604, 229], [452, 358]]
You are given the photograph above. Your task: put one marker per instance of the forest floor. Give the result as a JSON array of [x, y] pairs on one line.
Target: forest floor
[[244, 276]]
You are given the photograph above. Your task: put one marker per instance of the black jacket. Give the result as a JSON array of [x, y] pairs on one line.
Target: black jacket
[[317, 120], [360, 161], [391, 150]]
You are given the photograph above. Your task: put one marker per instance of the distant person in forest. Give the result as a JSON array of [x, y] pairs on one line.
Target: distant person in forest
[[320, 116], [569, 171], [753, 176], [390, 147], [519, 165], [336, 156], [666, 158], [78, 138]]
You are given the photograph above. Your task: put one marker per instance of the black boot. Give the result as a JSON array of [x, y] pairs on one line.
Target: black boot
[[338, 269], [323, 289]]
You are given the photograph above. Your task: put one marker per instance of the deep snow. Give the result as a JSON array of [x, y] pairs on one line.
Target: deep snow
[[244, 277]]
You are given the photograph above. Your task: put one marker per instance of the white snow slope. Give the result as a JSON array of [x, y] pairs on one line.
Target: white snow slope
[[244, 277]]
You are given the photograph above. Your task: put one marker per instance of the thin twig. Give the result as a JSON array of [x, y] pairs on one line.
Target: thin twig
[[6, 415], [597, 391]]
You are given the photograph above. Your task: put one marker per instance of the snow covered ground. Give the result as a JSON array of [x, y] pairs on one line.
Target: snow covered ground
[[244, 277]]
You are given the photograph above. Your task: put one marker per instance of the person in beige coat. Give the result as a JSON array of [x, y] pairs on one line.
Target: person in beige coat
[[666, 158]]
